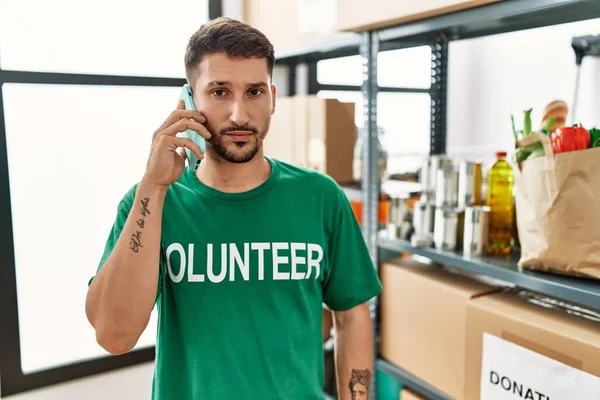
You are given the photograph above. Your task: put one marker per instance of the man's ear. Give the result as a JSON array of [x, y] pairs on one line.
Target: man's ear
[[274, 96]]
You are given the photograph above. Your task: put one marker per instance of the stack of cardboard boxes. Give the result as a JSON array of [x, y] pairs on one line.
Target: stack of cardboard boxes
[[312, 132], [473, 339]]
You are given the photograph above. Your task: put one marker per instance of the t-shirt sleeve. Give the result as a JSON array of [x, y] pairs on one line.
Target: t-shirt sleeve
[[352, 278], [123, 210]]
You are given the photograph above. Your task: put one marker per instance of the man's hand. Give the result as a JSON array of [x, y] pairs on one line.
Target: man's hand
[[166, 161], [354, 352]]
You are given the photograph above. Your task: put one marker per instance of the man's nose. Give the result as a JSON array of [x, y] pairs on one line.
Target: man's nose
[[239, 113]]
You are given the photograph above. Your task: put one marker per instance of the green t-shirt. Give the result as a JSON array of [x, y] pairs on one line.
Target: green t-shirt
[[241, 291]]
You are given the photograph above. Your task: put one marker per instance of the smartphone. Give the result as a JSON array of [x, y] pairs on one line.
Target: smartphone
[[192, 160]]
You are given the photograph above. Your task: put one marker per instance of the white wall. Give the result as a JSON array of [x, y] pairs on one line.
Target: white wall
[[131, 383], [492, 77]]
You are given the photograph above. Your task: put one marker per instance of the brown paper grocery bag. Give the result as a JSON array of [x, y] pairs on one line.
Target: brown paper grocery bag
[[558, 210]]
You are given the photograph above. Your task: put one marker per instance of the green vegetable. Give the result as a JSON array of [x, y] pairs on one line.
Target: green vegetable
[[522, 153], [527, 123], [512, 120], [535, 149], [549, 123], [595, 137]]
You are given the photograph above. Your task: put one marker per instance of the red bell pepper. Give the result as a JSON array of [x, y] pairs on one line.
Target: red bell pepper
[[570, 139]]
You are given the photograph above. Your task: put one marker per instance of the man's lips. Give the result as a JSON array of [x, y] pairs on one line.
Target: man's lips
[[239, 133], [239, 136]]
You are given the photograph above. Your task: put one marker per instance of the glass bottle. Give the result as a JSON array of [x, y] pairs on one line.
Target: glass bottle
[[499, 198]]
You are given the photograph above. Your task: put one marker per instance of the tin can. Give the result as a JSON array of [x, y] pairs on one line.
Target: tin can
[[425, 180], [438, 162], [469, 184], [423, 214], [398, 216], [447, 233], [446, 194], [476, 230]]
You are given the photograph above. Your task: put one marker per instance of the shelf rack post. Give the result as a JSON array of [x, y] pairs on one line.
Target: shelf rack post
[[369, 48], [439, 93]]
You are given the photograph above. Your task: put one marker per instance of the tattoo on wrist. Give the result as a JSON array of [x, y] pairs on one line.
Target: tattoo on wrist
[[136, 238], [359, 384]]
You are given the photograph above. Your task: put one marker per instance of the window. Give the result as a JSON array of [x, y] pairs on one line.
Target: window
[[410, 68], [405, 117], [110, 37], [67, 176], [72, 153], [340, 71]]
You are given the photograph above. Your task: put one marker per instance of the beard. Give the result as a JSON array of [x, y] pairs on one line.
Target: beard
[[237, 152]]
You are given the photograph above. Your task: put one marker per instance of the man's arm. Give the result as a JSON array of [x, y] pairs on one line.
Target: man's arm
[[353, 352], [122, 295]]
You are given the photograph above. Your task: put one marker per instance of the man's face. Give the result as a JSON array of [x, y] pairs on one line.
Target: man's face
[[237, 98], [359, 392]]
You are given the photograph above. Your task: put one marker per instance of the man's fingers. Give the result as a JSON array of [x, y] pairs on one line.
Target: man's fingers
[[184, 124], [178, 115], [189, 144]]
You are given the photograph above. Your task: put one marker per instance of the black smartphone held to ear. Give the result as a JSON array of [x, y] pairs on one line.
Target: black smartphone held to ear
[[192, 160]]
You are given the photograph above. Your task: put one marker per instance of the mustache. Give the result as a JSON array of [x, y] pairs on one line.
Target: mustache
[[229, 129]]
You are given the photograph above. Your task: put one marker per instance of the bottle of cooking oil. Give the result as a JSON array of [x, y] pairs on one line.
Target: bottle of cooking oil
[[499, 198]]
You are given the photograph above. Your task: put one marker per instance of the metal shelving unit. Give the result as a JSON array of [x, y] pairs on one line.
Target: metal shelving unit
[[438, 32], [504, 16], [411, 381], [585, 292]]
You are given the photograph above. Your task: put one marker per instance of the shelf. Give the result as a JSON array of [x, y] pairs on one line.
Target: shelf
[[491, 19], [500, 17], [340, 45], [411, 382], [585, 292]]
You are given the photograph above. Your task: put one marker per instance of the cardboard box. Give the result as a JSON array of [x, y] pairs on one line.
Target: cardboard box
[[354, 16], [423, 321], [291, 24], [530, 348], [408, 395], [278, 142], [331, 137], [316, 133]]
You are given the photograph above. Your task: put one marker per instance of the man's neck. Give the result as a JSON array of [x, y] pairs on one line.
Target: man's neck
[[230, 177]]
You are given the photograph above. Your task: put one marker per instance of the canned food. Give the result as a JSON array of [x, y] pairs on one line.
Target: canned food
[[447, 233], [440, 161], [398, 215], [476, 230], [423, 214], [425, 180], [469, 184], [446, 193]]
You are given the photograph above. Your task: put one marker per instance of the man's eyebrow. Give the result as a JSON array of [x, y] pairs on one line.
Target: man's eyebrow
[[219, 83], [257, 84], [225, 83]]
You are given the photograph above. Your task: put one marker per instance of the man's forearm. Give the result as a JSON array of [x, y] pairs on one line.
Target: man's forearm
[[354, 353], [122, 295]]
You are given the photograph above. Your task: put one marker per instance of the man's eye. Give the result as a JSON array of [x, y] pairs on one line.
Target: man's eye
[[219, 92], [255, 92]]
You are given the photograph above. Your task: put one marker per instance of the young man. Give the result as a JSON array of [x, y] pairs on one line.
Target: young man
[[240, 255]]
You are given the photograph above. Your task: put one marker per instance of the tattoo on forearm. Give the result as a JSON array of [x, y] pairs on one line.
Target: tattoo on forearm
[[136, 238], [359, 384]]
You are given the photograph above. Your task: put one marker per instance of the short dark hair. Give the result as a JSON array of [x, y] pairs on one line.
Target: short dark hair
[[229, 36]]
